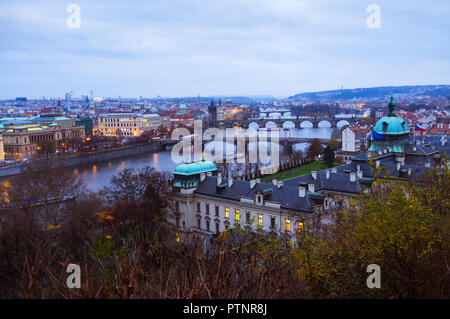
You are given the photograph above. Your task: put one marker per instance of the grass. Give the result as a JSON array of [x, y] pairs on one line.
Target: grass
[[296, 171]]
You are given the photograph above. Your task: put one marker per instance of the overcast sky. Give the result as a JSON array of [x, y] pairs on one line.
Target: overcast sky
[[229, 47]]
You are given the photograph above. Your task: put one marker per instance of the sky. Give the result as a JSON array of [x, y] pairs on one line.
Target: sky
[[176, 48]]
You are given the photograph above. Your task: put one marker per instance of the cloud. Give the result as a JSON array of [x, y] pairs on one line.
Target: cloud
[[185, 47]]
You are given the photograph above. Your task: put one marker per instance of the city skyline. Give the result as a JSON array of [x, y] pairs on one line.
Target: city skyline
[[179, 48]]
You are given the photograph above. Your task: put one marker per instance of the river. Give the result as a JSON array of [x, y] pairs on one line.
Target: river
[[97, 176]]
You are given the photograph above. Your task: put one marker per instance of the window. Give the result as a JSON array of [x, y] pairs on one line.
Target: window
[[236, 214], [217, 211], [300, 227], [247, 217], [227, 212], [272, 222], [177, 206], [207, 210], [207, 225], [178, 236], [260, 220], [199, 222], [217, 228], [198, 207], [177, 221], [287, 225]]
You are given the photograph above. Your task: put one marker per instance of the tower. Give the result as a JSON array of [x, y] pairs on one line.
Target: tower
[[391, 132]]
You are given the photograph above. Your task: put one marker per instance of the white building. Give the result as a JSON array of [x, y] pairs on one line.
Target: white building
[[125, 124], [352, 138], [204, 203]]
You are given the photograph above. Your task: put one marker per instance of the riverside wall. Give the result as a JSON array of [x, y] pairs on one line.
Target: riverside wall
[[88, 158]]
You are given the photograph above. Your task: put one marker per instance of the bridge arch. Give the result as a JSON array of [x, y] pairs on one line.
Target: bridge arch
[[270, 124], [342, 123], [253, 125], [324, 123], [288, 124], [306, 123]]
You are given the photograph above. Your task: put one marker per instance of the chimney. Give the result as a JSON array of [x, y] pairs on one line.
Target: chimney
[[333, 170], [359, 174], [314, 174], [274, 181], [358, 167], [415, 148], [230, 181], [209, 173], [384, 150], [301, 191], [327, 173], [427, 165], [219, 178], [398, 166], [311, 188], [352, 177], [409, 171], [380, 152], [252, 183], [280, 184], [202, 177]]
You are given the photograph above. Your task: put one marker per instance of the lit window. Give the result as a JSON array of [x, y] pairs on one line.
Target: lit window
[[288, 225], [300, 227], [178, 236], [260, 220], [227, 212], [236, 214]]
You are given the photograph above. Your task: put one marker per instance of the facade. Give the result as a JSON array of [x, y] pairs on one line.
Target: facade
[[125, 124], [21, 139], [353, 138]]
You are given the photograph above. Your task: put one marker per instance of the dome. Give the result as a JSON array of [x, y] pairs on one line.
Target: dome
[[392, 124], [183, 107], [195, 168]]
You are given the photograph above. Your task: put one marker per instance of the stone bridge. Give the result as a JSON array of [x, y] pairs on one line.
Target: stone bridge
[[300, 122]]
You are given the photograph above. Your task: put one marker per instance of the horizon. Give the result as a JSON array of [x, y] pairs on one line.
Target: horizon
[[256, 96], [183, 48]]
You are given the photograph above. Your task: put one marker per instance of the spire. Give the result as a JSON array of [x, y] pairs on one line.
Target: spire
[[391, 107]]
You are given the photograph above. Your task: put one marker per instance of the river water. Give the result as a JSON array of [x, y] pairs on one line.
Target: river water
[[97, 176]]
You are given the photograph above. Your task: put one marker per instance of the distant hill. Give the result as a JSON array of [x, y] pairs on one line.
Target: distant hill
[[377, 92]]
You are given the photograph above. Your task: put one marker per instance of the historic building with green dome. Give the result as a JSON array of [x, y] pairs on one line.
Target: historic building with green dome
[[391, 132]]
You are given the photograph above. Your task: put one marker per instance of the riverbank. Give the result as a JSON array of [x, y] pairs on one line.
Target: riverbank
[[88, 158]]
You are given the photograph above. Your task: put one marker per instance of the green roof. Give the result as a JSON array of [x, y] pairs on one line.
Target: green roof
[[392, 124], [195, 168], [183, 107]]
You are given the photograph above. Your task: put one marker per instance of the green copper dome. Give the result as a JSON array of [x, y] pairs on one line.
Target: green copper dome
[[392, 124], [195, 168], [183, 107]]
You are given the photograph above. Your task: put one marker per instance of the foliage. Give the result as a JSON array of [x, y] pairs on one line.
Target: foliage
[[315, 149], [328, 156]]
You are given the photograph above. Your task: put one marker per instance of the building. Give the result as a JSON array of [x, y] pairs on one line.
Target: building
[[203, 202], [353, 137], [390, 132], [125, 124], [22, 137]]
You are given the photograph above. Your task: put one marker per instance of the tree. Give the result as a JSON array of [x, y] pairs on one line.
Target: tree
[[46, 147], [333, 144], [131, 184], [315, 149], [328, 156]]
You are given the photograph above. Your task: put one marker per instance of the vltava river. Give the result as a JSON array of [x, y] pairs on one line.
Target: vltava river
[[97, 176]]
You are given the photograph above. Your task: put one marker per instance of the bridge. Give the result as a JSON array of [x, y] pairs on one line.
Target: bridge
[[300, 122], [282, 140]]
